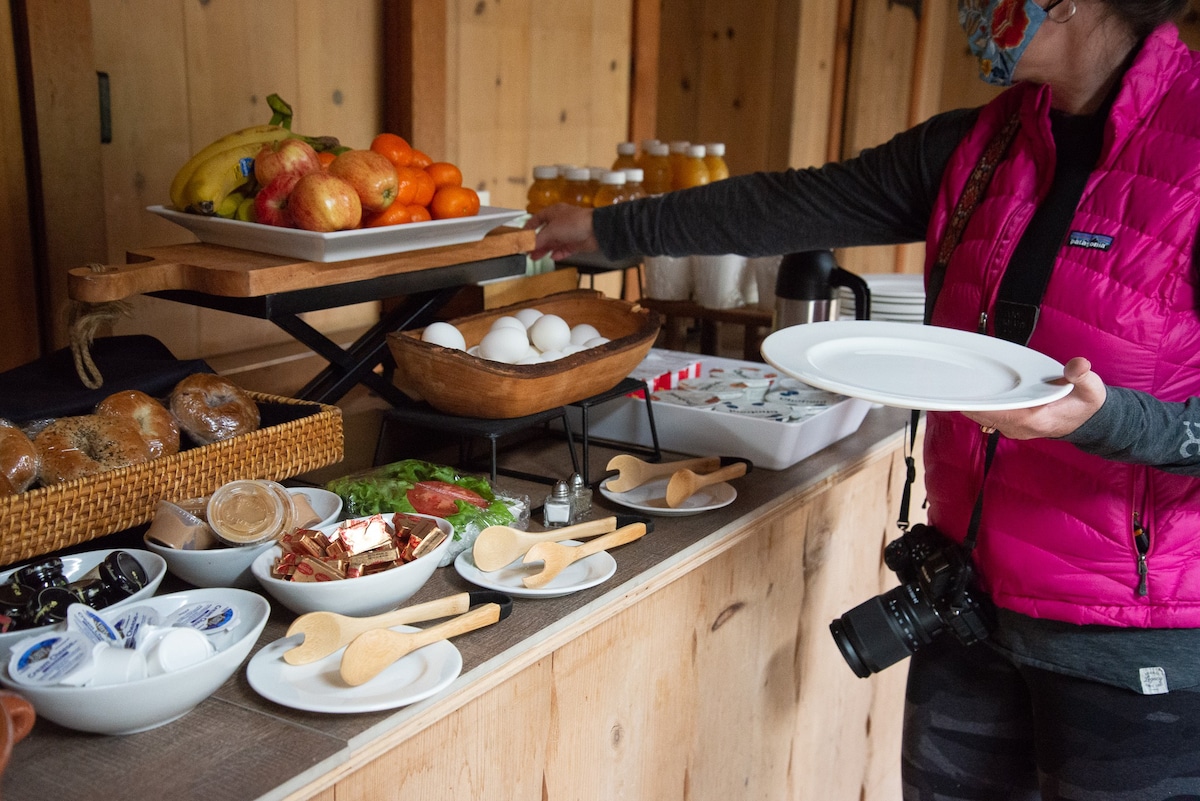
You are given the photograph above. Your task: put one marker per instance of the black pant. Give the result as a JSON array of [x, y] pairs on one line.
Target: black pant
[[977, 726]]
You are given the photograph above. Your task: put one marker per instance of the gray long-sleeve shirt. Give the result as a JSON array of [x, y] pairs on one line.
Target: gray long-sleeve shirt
[[884, 196]]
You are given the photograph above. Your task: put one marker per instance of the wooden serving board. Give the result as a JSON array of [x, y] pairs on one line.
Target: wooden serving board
[[230, 272]]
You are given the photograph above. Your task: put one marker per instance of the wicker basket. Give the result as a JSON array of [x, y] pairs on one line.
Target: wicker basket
[[296, 437], [454, 382]]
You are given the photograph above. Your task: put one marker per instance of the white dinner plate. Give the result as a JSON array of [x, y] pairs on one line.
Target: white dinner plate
[[896, 285], [587, 572], [651, 498], [318, 686], [339, 245], [916, 366]]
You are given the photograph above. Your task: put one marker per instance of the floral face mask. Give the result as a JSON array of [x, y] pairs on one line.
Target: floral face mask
[[998, 31]]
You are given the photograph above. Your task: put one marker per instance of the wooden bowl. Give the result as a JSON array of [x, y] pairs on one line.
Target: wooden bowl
[[454, 382]]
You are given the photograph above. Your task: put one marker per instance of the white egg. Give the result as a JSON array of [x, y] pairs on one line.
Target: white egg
[[527, 316], [504, 345], [550, 332], [551, 355], [572, 348], [530, 360], [582, 333], [508, 322], [474, 351], [597, 342], [444, 334]]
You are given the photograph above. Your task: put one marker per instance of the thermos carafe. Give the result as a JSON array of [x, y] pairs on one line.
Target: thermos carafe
[[806, 289]]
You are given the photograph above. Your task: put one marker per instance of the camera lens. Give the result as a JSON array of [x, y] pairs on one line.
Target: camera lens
[[885, 629]]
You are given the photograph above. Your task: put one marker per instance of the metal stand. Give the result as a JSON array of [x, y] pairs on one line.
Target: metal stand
[[625, 387]]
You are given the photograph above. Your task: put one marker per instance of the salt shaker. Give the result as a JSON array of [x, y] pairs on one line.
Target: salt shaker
[[556, 510], [581, 499]]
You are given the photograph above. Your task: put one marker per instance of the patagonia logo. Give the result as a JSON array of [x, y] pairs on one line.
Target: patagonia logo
[[1082, 239]]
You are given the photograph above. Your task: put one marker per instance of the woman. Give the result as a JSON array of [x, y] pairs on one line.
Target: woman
[[1089, 542]]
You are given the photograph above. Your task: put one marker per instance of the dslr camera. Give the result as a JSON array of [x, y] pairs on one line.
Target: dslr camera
[[936, 594]]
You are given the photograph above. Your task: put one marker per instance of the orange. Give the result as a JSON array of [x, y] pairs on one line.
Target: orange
[[326, 158], [425, 187], [407, 184], [444, 174], [395, 214], [420, 159], [454, 201], [419, 214], [394, 148]]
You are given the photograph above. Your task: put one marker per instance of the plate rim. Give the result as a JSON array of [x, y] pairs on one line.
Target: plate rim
[[521, 591], [615, 497], [820, 333]]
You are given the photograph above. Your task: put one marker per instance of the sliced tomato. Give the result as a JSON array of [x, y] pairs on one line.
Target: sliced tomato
[[437, 498]]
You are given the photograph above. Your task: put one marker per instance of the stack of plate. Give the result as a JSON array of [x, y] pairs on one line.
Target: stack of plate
[[896, 297]]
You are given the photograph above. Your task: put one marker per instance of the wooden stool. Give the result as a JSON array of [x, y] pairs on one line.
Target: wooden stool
[[677, 312]]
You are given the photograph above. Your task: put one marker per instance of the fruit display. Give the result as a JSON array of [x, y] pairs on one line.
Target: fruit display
[[271, 175]]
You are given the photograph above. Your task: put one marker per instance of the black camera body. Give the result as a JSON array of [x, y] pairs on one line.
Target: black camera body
[[936, 594]]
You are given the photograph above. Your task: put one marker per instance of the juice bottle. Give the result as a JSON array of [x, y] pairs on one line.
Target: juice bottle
[[644, 153], [714, 159], [544, 190], [562, 178], [594, 175], [612, 189], [678, 152], [578, 192], [626, 156], [657, 170], [633, 183], [692, 171]]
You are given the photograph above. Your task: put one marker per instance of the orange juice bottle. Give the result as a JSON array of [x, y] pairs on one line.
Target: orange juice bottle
[[544, 190], [714, 159], [612, 189], [626, 156], [678, 153], [633, 183], [562, 178], [594, 174], [578, 191], [692, 171], [644, 153], [657, 170]]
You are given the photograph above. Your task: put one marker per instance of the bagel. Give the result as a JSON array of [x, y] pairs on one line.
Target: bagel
[[19, 460], [156, 423], [210, 408], [75, 447]]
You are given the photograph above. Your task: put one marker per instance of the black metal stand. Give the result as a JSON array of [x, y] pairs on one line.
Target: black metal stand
[[625, 387]]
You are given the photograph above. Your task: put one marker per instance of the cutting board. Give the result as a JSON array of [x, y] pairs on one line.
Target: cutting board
[[230, 272]]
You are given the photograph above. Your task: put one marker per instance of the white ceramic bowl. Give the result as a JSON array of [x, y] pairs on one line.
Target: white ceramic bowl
[[75, 566], [212, 567], [146, 703], [325, 503], [367, 595]]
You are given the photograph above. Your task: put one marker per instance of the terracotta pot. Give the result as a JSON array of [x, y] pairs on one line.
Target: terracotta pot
[[16, 720]]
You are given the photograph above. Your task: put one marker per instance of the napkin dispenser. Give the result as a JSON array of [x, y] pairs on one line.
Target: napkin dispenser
[[806, 289]]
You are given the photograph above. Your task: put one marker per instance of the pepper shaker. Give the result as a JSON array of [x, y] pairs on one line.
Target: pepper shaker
[[581, 499], [556, 510]]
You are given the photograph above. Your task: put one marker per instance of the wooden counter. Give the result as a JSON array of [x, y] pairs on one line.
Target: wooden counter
[[704, 669]]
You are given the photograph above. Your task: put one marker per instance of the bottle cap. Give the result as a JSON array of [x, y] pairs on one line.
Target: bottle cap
[[545, 172], [247, 512], [626, 148], [635, 175], [561, 489], [659, 149], [596, 173], [695, 151], [715, 148], [578, 174], [679, 146], [613, 178], [648, 143]]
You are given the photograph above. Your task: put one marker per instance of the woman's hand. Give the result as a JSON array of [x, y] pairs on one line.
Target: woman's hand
[[563, 230], [1055, 419]]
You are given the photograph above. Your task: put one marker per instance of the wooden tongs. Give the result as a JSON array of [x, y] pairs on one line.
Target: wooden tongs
[[686, 475]]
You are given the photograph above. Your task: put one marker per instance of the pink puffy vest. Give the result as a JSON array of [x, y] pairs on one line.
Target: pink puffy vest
[[1056, 539]]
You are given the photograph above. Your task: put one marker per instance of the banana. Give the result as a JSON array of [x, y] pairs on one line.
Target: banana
[[229, 206], [216, 177], [256, 134]]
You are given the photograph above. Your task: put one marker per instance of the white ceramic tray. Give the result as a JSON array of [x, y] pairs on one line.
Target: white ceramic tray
[[339, 245]]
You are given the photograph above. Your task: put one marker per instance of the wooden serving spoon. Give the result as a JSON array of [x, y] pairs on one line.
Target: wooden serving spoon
[[497, 546], [372, 651], [684, 484], [325, 632], [557, 556], [634, 472]]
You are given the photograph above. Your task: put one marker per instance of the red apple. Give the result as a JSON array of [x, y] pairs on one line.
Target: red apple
[[371, 175], [271, 202], [323, 202], [285, 155]]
